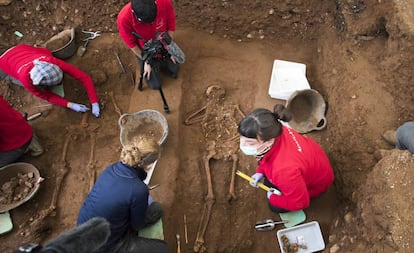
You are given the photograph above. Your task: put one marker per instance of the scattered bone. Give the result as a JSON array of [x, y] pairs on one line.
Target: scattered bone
[[91, 163], [38, 224], [111, 94], [84, 121], [219, 124], [62, 167]]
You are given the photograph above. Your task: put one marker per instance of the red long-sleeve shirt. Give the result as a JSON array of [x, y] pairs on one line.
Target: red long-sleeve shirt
[[14, 129], [299, 167], [127, 23], [18, 61]]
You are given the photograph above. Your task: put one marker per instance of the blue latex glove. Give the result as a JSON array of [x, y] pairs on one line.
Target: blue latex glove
[[78, 107], [150, 200], [257, 177], [95, 109], [272, 191]]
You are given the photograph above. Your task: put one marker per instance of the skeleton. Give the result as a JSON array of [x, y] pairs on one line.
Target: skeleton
[[62, 166], [219, 124]]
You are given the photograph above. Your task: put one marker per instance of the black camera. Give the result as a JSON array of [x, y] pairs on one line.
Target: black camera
[[156, 47]]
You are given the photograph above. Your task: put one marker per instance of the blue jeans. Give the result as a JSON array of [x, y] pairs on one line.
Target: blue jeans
[[405, 136], [11, 156]]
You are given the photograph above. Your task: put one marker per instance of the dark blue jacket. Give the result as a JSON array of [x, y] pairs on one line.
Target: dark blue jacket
[[119, 196]]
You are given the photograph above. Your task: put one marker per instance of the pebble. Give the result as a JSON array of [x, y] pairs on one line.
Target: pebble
[[6, 17], [334, 249], [348, 217], [5, 2], [249, 36]]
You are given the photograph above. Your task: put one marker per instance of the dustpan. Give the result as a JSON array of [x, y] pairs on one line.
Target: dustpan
[[293, 218]]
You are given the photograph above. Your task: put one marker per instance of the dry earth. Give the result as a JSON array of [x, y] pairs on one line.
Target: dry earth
[[359, 56]]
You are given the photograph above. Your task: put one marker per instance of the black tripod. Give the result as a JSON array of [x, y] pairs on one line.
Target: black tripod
[[164, 101], [145, 58]]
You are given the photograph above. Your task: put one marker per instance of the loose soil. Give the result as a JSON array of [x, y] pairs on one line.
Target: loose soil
[[358, 54], [151, 130], [16, 188]]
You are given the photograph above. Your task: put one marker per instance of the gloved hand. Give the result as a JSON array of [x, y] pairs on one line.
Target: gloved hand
[[256, 177], [77, 107], [272, 191], [150, 200], [95, 109]]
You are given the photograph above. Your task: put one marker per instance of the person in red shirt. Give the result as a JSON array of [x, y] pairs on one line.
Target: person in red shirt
[[294, 166], [36, 68], [16, 135], [140, 21]]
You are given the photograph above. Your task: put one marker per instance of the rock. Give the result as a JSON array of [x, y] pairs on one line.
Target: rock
[[334, 249], [5, 2], [249, 36], [6, 17], [332, 238]]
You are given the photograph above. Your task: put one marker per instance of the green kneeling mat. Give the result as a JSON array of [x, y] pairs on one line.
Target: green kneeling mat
[[155, 231], [6, 224], [293, 218], [58, 89]]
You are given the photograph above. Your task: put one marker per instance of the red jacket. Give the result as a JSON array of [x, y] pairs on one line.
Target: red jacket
[[14, 129], [18, 61], [127, 23], [299, 167]]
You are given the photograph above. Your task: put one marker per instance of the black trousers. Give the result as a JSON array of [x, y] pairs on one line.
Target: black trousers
[[158, 65], [131, 242]]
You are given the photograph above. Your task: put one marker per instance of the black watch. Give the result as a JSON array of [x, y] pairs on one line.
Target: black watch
[[30, 247]]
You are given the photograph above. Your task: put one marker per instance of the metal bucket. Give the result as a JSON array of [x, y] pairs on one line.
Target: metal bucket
[[9, 171], [141, 123], [308, 110]]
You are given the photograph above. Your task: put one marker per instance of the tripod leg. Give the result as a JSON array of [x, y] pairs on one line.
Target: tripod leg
[[141, 75], [166, 108]]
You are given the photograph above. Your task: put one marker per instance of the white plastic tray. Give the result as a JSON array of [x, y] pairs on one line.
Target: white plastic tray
[[287, 77], [308, 234]]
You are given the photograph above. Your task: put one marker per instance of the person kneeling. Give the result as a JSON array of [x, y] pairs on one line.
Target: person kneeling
[[122, 198]]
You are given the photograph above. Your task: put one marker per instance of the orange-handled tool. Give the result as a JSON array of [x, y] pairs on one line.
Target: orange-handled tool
[[260, 185]]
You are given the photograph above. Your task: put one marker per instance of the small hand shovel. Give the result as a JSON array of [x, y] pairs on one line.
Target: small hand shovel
[[268, 225]]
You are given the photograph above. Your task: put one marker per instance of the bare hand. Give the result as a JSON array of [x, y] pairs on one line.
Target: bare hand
[[173, 59], [147, 70]]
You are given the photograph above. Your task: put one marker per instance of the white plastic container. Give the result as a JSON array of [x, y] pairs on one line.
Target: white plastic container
[[287, 77], [308, 234]]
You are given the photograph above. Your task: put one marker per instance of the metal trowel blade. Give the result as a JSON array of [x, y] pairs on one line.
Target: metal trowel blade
[[267, 225]]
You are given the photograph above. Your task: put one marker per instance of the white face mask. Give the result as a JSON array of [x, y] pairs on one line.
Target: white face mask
[[248, 150]]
